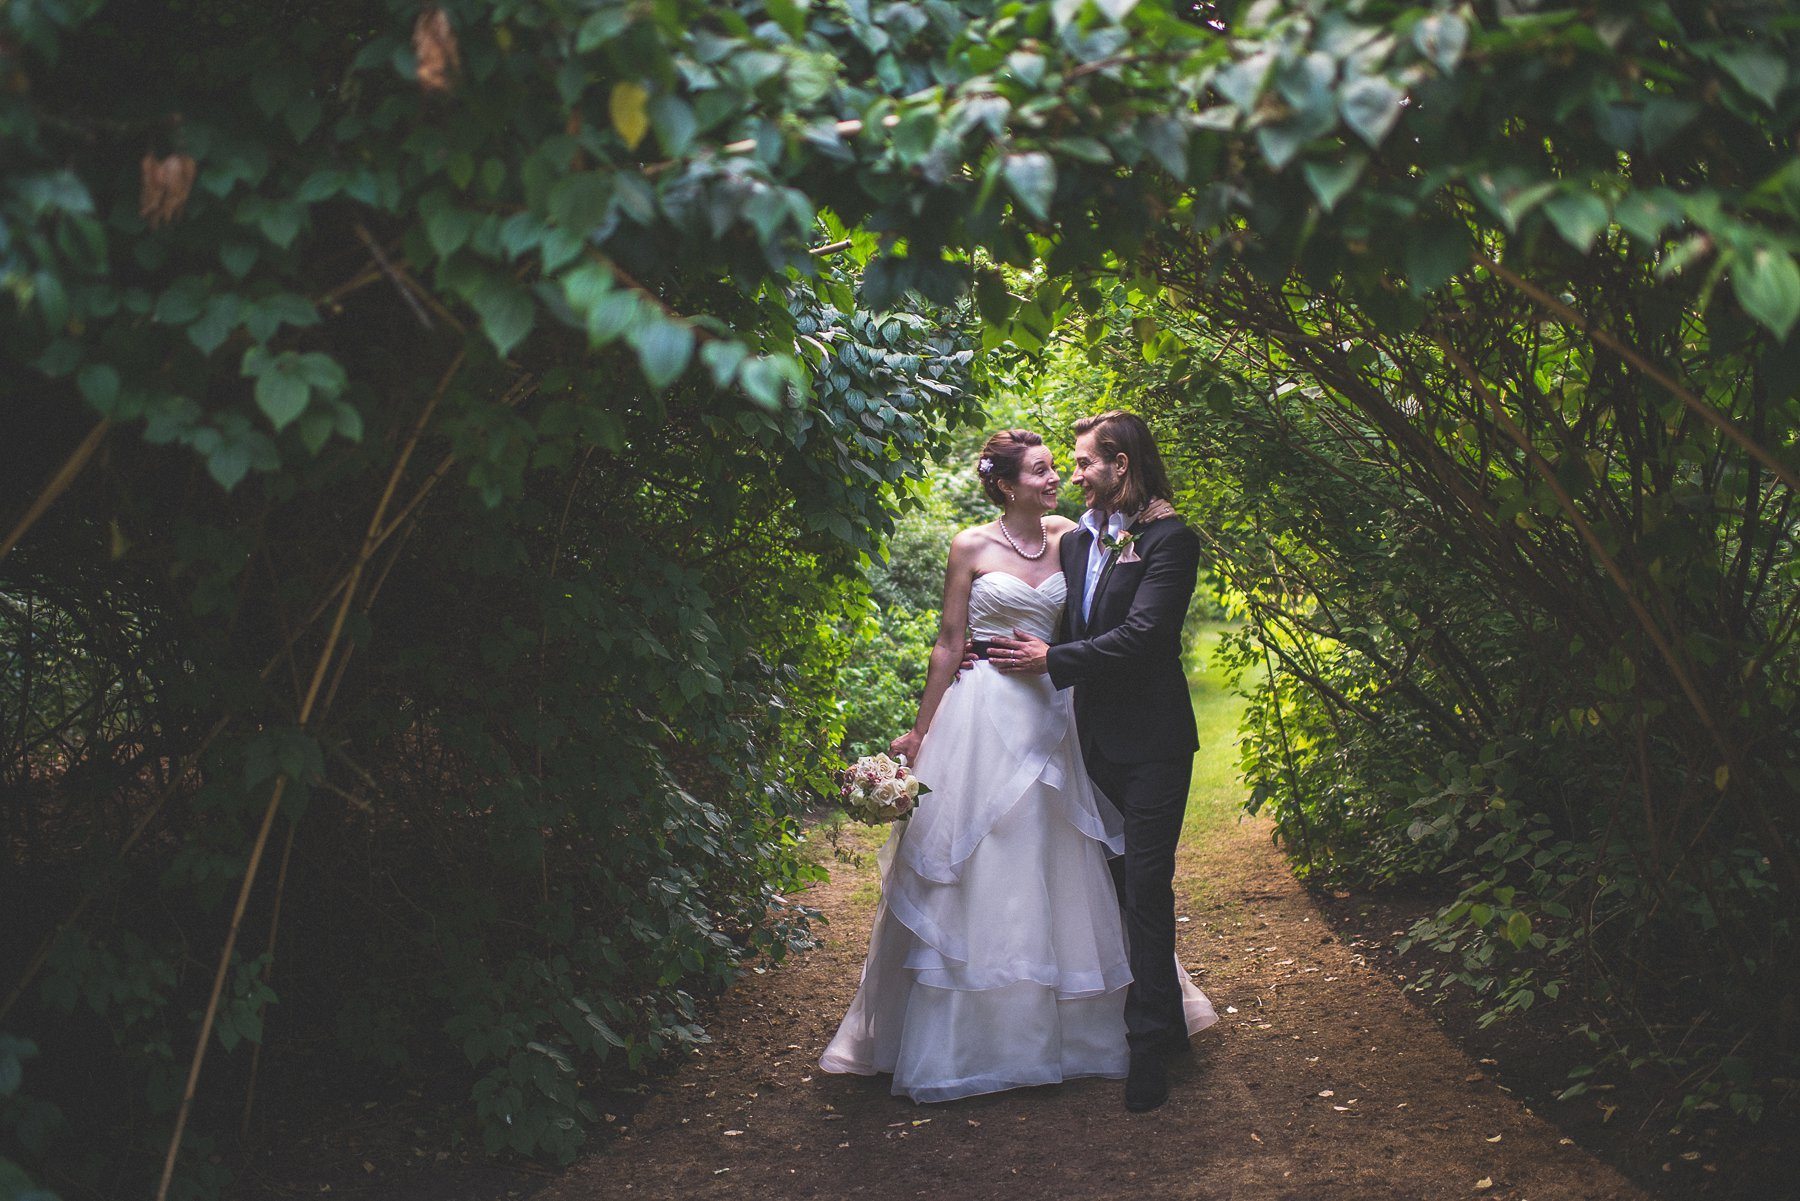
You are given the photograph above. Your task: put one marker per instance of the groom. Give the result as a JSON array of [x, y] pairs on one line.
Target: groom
[[1130, 570]]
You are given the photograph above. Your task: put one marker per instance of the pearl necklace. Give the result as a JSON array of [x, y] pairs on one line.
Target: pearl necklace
[[1043, 539]]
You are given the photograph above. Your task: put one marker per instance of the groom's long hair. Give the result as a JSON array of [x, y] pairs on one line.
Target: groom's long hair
[[1117, 432]]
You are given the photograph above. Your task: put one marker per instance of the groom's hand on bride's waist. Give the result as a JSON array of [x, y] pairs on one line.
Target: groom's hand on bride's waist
[[1020, 655]]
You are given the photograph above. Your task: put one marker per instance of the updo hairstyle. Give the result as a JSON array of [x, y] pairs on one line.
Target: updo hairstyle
[[1001, 458]]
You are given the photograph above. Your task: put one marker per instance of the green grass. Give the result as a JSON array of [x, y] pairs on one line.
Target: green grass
[[1216, 796]]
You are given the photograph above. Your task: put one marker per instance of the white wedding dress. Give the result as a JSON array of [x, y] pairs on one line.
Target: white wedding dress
[[998, 955]]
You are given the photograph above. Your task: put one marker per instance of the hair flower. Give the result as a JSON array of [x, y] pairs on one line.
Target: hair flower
[[985, 467]]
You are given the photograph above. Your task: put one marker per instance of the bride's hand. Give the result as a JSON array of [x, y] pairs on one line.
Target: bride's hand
[[1157, 510], [907, 744]]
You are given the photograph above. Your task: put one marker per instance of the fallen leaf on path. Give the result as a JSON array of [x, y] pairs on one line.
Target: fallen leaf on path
[[1327, 1093], [1485, 1183], [973, 1122], [1495, 1139], [1255, 1137], [733, 1133], [1472, 1077]]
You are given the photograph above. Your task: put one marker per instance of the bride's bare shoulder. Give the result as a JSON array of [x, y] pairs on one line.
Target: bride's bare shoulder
[[1058, 524], [973, 535], [967, 543]]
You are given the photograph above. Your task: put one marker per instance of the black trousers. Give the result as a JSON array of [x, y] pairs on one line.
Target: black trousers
[[1152, 797]]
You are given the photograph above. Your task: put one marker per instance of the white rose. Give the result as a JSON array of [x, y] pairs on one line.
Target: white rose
[[912, 787], [884, 767], [889, 791]]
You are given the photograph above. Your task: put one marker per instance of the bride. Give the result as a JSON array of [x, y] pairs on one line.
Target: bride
[[998, 957]]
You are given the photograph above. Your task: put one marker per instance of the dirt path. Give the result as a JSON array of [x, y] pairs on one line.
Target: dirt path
[[1320, 1082]]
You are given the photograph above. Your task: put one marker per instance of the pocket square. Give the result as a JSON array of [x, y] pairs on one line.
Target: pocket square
[[1130, 554]]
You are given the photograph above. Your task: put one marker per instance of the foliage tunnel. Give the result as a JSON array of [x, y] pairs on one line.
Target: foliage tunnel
[[441, 442]]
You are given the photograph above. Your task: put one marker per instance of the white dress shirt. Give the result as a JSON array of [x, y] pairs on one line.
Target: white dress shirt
[[1097, 553]]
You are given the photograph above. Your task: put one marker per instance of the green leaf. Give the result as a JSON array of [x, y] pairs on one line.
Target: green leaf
[[315, 430], [62, 190], [1242, 82], [238, 258], [302, 117], [229, 464], [1578, 217], [675, 125], [1768, 286], [1664, 117], [1370, 105], [279, 221], [1032, 178], [281, 395], [505, 310], [761, 379], [1442, 37], [1757, 71], [1644, 215], [602, 28], [790, 15], [215, 325], [1434, 254], [723, 358], [59, 358], [99, 383], [580, 201], [616, 313], [1116, 10], [446, 226], [181, 302], [1167, 141], [1518, 929], [1280, 143], [664, 347], [1329, 181]]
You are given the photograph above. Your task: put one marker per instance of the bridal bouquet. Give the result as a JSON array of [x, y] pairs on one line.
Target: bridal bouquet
[[877, 789]]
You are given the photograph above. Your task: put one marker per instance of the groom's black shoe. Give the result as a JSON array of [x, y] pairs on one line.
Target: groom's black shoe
[[1147, 1084]]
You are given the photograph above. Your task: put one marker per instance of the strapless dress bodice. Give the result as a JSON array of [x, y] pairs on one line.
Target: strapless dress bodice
[[1000, 602]]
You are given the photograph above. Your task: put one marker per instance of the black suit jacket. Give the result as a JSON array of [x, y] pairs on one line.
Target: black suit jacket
[[1131, 694]]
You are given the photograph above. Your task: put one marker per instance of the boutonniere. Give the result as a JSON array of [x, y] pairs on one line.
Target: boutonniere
[[1124, 546]]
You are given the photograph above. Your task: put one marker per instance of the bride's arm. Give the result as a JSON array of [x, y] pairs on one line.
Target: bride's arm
[[947, 651]]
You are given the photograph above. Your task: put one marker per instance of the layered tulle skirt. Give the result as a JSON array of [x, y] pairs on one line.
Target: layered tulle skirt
[[998, 957]]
